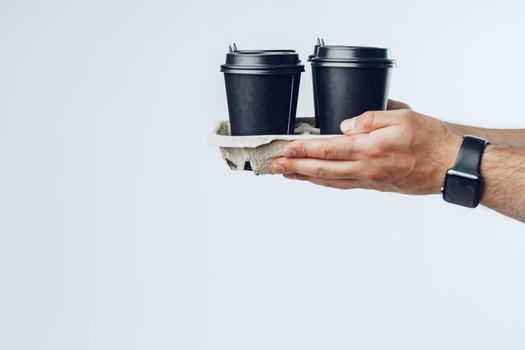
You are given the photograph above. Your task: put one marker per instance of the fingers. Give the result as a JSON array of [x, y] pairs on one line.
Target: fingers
[[393, 105], [369, 121], [344, 184], [334, 169], [336, 148]]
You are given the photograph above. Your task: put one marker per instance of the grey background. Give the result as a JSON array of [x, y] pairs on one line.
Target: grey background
[[120, 228]]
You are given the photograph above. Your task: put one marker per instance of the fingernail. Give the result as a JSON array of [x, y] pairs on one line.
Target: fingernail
[[289, 153], [347, 125], [277, 169], [289, 176]]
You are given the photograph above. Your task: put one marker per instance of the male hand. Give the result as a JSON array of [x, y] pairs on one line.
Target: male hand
[[396, 150]]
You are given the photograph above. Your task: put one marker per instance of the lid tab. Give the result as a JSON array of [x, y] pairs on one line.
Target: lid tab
[[320, 42]]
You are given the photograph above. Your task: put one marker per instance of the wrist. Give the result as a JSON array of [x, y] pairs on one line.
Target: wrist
[[456, 129], [449, 148]]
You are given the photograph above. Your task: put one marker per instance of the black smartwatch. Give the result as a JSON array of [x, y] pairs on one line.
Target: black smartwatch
[[463, 182]]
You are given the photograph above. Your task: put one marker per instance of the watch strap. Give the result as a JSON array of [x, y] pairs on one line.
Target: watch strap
[[469, 155]]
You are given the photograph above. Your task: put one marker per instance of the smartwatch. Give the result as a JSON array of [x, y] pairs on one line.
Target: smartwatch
[[463, 183]]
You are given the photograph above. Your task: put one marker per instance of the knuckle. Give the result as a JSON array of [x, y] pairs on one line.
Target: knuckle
[[291, 168], [313, 149], [301, 150], [349, 147], [286, 165], [375, 151], [327, 152], [367, 122], [373, 174], [321, 172]]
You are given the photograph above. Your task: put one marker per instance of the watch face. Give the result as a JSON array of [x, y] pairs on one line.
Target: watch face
[[462, 191]]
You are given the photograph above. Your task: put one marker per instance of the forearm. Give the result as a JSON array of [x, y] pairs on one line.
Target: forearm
[[503, 170], [503, 137]]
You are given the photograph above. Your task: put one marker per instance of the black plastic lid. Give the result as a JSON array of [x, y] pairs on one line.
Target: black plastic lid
[[262, 62], [353, 56], [268, 51]]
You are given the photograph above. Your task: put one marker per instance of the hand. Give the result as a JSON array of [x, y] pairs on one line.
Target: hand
[[396, 150]]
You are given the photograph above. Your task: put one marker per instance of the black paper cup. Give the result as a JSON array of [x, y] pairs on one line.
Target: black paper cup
[[262, 88], [348, 81], [310, 57]]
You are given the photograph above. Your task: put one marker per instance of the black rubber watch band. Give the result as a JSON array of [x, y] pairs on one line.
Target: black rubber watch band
[[469, 156], [463, 182]]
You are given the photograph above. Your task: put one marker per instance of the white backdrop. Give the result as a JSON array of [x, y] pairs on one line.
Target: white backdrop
[[120, 228]]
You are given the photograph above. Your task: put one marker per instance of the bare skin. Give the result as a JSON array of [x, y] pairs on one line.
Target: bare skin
[[400, 150], [502, 137]]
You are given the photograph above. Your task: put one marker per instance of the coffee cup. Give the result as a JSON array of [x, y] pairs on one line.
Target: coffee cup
[[348, 81], [262, 88], [310, 57]]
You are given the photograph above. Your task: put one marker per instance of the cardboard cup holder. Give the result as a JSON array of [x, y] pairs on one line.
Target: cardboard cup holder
[[256, 152]]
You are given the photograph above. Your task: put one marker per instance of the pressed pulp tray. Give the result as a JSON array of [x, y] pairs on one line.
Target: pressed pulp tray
[[256, 152]]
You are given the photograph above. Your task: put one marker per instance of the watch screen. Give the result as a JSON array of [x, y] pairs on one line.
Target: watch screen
[[462, 191]]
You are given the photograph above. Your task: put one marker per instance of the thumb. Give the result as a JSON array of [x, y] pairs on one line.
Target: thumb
[[368, 122]]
